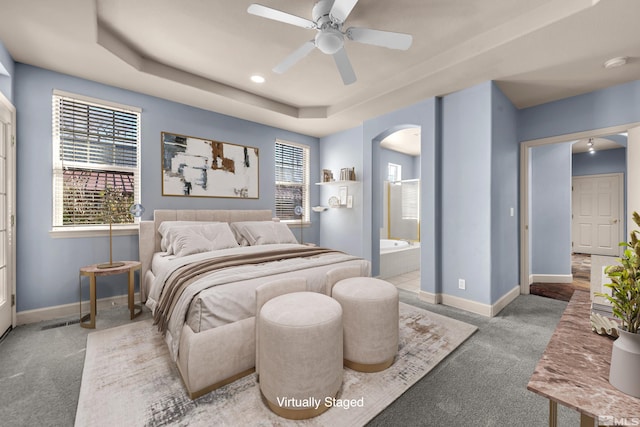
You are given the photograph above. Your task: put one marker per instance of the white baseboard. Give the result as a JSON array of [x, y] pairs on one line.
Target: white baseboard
[[429, 297], [467, 305], [550, 278], [55, 312], [488, 310], [505, 300]]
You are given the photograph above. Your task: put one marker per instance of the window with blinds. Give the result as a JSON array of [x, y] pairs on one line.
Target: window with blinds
[[411, 199], [292, 180], [96, 161]]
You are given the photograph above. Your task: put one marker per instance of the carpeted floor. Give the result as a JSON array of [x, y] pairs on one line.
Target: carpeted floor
[[483, 383], [581, 270]]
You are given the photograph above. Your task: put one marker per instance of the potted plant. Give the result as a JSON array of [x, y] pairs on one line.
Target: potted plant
[[625, 303]]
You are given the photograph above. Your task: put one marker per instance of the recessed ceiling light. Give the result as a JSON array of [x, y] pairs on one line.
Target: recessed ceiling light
[[257, 78], [616, 62]]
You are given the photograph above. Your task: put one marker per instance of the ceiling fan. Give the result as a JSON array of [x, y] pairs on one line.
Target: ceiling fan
[[328, 18]]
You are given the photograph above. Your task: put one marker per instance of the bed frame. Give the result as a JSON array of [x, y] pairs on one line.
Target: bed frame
[[210, 359]]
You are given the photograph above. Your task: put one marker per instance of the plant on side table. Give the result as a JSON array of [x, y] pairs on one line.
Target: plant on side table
[[625, 302]]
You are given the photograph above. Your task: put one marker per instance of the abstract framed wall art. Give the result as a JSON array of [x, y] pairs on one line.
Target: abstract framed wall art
[[198, 167]]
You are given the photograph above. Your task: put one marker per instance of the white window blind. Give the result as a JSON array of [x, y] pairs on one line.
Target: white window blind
[[96, 158], [411, 199], [292, 180]]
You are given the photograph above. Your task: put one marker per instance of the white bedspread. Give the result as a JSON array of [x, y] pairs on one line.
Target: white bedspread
[[230, 292]]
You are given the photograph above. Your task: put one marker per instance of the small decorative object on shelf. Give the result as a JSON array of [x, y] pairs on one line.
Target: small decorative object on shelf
[[343, 195], [348, 174], [327, 175], [319, 208], [334, 202]]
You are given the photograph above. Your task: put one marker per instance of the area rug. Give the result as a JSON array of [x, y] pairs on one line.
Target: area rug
[[129, 379]]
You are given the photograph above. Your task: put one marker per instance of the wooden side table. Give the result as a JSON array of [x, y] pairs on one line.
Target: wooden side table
[[92, 271]]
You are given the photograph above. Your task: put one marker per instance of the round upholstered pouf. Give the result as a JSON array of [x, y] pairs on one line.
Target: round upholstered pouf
[[370, 310], [300, 353]]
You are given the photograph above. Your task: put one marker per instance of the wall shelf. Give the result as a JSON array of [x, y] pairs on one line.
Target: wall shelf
[[338, 182]]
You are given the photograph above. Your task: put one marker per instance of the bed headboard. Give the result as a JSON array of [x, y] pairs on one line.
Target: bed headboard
[[149, 238]]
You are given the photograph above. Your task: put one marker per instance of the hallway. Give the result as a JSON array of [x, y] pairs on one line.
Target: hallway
[[581, 270]]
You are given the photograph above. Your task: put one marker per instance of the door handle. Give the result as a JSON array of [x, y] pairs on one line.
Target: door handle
[[615, 221]]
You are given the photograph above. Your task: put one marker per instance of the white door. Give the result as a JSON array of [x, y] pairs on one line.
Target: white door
[[597, 214], [7, 198]]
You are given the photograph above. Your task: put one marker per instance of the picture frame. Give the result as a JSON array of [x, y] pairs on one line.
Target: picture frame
[[199, 167], [350, 201], [343, 192]]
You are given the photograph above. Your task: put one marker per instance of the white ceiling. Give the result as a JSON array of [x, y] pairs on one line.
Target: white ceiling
[[405, 141], [202, 53]]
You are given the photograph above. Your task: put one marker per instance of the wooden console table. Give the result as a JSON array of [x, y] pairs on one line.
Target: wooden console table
[[92, 271], [574, 371]]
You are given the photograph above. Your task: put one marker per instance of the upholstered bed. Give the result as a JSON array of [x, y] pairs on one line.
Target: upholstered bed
[[210, 326]]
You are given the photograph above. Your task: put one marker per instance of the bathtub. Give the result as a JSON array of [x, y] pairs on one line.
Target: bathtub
[[398, 257]]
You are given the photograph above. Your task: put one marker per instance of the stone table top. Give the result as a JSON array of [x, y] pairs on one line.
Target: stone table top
[[574, 369]]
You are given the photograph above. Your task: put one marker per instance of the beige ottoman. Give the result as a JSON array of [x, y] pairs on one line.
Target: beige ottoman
[[300, 353], [370, 322]]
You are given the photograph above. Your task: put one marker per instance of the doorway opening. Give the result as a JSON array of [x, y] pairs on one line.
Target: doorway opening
[[580, 264], [399, 161]]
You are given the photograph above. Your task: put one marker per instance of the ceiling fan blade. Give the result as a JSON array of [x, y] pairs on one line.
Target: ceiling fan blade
[[344, 67], [276, 15], [380, 38], [341, 9], [294, 57]]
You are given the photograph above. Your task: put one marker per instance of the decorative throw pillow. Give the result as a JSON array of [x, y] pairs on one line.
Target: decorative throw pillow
[[263, 232], [165, 231], [196, 237]]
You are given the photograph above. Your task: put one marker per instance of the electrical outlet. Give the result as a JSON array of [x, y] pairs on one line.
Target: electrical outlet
[[461, 284]]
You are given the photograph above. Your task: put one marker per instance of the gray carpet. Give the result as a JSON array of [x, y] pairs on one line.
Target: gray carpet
[[483, 383]]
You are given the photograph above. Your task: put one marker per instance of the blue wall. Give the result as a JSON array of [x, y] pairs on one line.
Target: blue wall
[[617, 105], [466, 180], [550, 222], [6, 82], [466, 189], [607, 161], [342, 228], [410, 164], [47, 270], [504, 195]]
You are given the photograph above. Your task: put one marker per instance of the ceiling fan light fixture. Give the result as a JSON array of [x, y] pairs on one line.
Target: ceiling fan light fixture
[[329, 41], [616, 62]]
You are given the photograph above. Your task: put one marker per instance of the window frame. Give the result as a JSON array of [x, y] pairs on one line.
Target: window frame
[[89, 230], [306, 200], [397, 172]]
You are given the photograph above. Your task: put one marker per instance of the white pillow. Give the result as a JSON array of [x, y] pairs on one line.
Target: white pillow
[[192, 240], [165, 230], [195, 237], [263, 232]]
